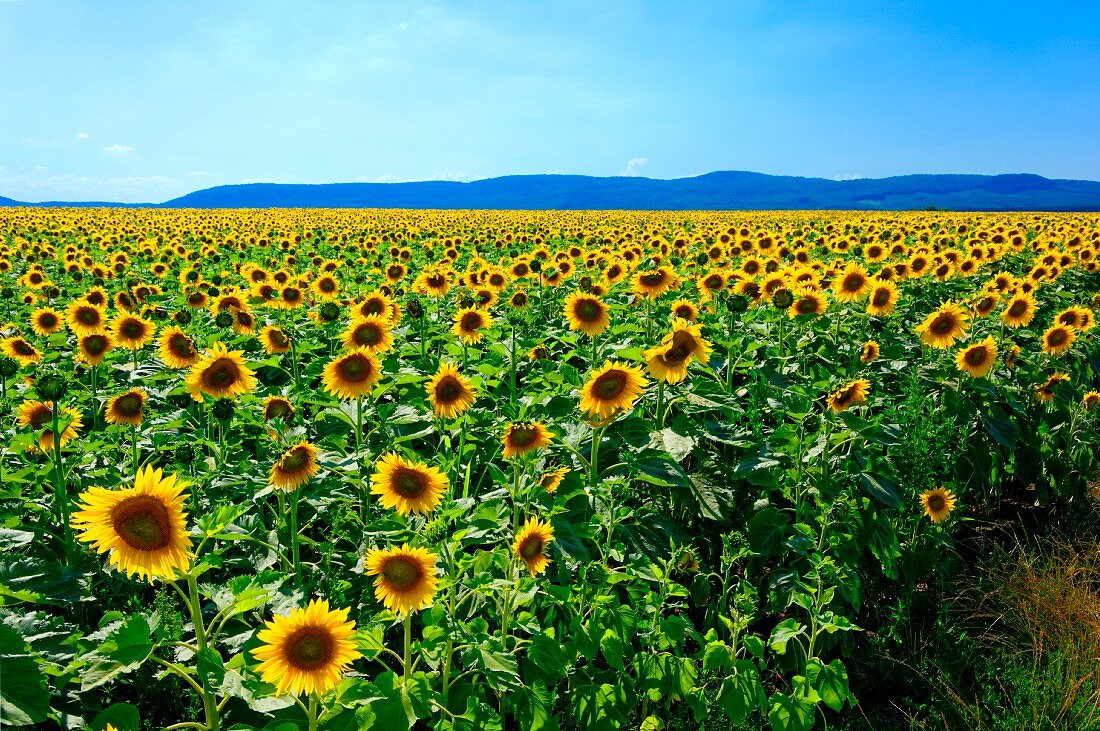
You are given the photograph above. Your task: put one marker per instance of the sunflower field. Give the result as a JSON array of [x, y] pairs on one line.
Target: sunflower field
[[362, 469]]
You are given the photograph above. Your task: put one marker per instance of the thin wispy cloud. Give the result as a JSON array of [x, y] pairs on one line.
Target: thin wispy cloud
[[633, 168], [118, 149], [83, 136]]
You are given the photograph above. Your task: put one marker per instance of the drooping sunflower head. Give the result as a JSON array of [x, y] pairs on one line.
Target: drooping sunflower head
[[38, 415], [523, 437], [177, 349], [977, 359], [371, 332], [1091, 399], [551, 479], [127, 408], [1045, 391], [221, 373], [405, 578], [669, 361], [808, 303], [532, 544], [294, 467], [21, 350], [306, 651], [853, 394], [407, 486], [586, 314], [612, 388], [449, 392], [275, 340], [143, 526], [870, 352], [944, 326], [278, 407], [470, 323], [937, 503], [46, 321], [1058, 339], [353, 374]]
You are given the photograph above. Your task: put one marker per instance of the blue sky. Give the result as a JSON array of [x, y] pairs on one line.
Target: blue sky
[[144, 101]]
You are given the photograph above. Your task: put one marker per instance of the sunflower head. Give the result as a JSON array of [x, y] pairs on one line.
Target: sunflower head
[[853, 394], [470, 322], [294, 467], [937, 504], [306, 651], [405, 577], [407, 486], [127, 408], [612, 388], [944, 326], [977, 359], [371, 332], [532, 544], [143, 526], [221, 373], [131, 331], [524, 437], [586, 313], [1058, 339], [353, 374], [449, 392], [177, 349], [870, 352], [551, 480], [278, 407]]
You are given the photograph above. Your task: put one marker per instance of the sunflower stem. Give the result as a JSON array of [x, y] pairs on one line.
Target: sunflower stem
[[95, 398], [406, 665], [294, 539], [312, 712], [660, 418], [593, 457], [512, 370], [61, 493], [458, 457], [134, 446], [209, 701]]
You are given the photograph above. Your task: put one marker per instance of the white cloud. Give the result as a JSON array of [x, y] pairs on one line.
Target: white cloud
[[198, 173], [83, 136], [120, 149], [40, 168], [554, 172], [849, 176], [633, 167]]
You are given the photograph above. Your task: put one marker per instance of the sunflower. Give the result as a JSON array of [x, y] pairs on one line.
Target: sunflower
[[469, 322], [127, 408], [938, 503], [869, 352], [985, 304], [92, 348], [669, 361], [1079, 318], [295, 467], [143, 526], [131, 331], [1020, 310], [684, 310], [373, 303], [274, 340], [944, 326], [551, 479], [39, 415], [977, 359], [371, 332], [652, 283], [46, 321], [177, 348], [1045, 391], [586, 314], [449, 393], [306, 651], [407, 486], [1058, 339], [352, 375], [221, 373], [852, 283], [883, 299], [278, 407], [531, 544], [326, 287], [244, 322], [613, 387], [853, 394], [405, 577], [524, 437], [1090, 399], [20, 349], [808, 303], [85, 318]]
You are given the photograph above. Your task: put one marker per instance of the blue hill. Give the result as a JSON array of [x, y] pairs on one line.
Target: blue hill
[[732, 190]]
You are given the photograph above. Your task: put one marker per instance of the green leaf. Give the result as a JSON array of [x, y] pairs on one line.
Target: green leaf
[[830, 681], [123, 716], [611, 645], [766, 531], [210, 668], [783, 633], [741, 693], [881, 489], [790, 714], [678, 446], [124, 648], [24, 694], [999, 425], [533, 705], [546, 653]]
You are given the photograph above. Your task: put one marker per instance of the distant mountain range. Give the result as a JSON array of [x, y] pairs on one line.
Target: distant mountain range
[[732, 190]]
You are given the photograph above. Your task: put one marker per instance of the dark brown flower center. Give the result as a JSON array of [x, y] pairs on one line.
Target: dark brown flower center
[[41, 416], [309, 648], [881, 297], [132, 329], [401, 573], [48, 321], [936, 503], [181, 346], [409, 484], [853, 282], [277, 409], [448, 389], [522, 435], [806, 306], [531, 548], [368, 334], [129, 404], [943, 324], [587, 310], [977, 355], [471, 321], [1018, 308], [354, 368], [221, 374], [295, 460], [1057, 337], [88, 316], [22, 347], [95, 345], [142, 522], [610, 385]]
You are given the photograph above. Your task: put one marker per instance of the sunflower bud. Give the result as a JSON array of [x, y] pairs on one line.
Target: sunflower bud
[[535, 265], [737, 303], [183, 317], [8, 367], [782, 298], [224, 319], [701, 258], [51, 387], [223, 409], [7, 293], [184, 454], [414, 309], [330, 312]]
